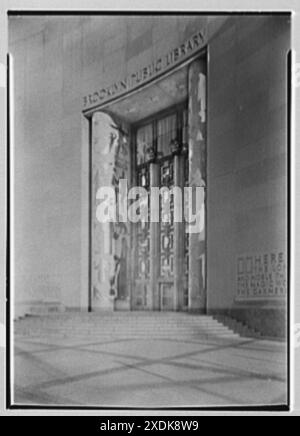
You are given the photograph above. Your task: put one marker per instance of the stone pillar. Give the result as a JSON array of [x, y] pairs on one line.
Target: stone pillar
[[154, 300], [85, 199], [197, 178], [110, 240], [179, 229]]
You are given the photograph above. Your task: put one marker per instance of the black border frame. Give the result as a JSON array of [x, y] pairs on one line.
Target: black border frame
[[262, 408]]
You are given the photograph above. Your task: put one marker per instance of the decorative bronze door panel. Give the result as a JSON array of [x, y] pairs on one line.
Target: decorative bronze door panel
[[166, 230], [167, 297], [161, 248], [185, 284], [141, 298]]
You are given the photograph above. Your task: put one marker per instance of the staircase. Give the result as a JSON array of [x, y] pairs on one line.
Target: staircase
[[238, 327], [119, 325]]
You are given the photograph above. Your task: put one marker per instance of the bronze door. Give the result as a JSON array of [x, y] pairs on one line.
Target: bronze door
[[161, 251]]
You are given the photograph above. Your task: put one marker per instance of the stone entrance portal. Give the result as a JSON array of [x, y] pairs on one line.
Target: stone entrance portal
[[154, 138]]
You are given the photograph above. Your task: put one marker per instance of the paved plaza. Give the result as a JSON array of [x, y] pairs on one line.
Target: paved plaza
[[158, 371]]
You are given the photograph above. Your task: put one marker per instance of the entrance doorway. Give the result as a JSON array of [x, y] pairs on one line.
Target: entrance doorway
[[161, 248], [155, 137]]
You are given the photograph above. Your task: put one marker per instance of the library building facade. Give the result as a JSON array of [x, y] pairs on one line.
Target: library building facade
[[152, 101]]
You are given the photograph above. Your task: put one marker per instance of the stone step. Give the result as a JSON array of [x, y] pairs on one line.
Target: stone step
[[45, 308], [79, 324], [129, 327], [125, 333], [146, 319], [174, 335]]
